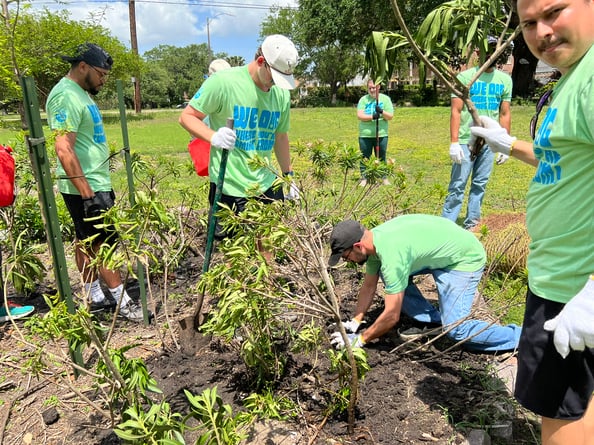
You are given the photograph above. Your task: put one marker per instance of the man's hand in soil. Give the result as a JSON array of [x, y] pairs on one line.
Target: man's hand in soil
[[355, 340], [573, 327], [352, 325]]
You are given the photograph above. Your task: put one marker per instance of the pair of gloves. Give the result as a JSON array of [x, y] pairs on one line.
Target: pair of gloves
[[351, 326], [573, 327], [225, 138], [457, 154], [378, 112], [494, 135]]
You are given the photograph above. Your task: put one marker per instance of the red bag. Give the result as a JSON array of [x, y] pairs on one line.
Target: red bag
[[6, 176], [200, 153]]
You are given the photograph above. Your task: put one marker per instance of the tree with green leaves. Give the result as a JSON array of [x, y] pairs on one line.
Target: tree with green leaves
[[447, 39], [32, 43]]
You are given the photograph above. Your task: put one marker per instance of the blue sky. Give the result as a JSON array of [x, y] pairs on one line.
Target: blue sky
[[233, 25]]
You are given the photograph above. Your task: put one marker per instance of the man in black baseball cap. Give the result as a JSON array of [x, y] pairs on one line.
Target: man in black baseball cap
[[411, 245], [91, 54], [343, 237], [84, 177]]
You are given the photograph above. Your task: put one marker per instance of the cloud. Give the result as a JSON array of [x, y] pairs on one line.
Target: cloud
[[173, 22], [234, 28]]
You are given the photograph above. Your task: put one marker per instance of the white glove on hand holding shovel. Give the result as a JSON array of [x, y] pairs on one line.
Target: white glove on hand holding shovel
[[574, 326], [224, 138], [456, 153], [293, 193], [495, 136]]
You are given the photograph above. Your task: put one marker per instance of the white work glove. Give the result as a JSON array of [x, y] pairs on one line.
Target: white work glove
[[501, 158], [573, 327], [456, 153], [293, 193], [355, 340], [352, 325], [224, 138], [495, 136]]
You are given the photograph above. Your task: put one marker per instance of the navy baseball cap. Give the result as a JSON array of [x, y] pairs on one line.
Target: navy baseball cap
[[91, 54]]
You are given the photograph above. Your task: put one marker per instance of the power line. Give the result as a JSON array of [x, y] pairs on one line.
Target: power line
[[221, 4]]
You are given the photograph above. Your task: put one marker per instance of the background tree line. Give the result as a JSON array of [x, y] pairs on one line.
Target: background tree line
[[330, 36]]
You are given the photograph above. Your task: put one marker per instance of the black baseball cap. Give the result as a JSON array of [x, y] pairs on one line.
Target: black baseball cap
[[343, 236], [91, 54]]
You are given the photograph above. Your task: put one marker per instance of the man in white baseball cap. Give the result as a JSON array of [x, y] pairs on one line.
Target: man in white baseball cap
[[281, 56], [256, 96]]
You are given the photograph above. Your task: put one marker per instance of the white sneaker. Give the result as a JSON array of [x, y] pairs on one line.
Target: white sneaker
[[386, 181], [363, 183], [132, 311]]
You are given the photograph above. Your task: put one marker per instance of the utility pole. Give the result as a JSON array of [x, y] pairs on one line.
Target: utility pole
[[208, 39], [208, 20], [134, 44]]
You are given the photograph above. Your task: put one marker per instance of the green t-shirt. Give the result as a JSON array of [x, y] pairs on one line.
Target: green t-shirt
[[258, 116], [71, 109], [486, 93], [560, 200], [367, 103], [410, 243]]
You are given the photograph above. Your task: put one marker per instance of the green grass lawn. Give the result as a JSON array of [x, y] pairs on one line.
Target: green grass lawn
[[418, 142]]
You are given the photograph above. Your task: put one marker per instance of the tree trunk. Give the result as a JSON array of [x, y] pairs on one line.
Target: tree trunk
[[524, 69]]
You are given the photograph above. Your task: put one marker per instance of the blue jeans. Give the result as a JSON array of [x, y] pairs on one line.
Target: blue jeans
[[480, 169], [456, 291]]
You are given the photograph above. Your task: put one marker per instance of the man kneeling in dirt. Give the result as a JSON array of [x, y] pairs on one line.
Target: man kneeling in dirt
[[410, 245]]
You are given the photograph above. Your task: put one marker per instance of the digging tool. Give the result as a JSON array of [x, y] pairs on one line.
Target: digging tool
[[377, 145], [190, 325]]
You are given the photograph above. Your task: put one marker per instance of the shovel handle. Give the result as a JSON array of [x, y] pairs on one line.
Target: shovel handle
[[212, 216]]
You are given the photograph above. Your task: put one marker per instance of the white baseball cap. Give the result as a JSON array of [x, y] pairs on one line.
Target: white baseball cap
[[218, 65], [280, 53]]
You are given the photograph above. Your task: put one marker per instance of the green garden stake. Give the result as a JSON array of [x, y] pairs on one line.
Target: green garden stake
[[41, 169], [131, 191]]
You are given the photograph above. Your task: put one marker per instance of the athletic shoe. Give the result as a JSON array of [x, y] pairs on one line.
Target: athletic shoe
[[15, 311], [417, 333], [363, 183], [133, 312], [106, 304], [386, 181]]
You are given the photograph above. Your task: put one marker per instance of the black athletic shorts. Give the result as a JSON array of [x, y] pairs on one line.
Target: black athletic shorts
[[238, 203], [85, 229], [546, 383]]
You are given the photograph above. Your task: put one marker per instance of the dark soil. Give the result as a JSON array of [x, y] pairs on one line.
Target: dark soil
[[413, 394]]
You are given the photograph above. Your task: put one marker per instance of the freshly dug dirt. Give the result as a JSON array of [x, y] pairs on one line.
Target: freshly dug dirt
[[415, 394]]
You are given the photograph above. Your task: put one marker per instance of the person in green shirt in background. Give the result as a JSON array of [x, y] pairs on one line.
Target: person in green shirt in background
[[374, 110]]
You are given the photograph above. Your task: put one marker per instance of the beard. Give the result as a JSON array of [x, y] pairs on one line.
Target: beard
[[90, 87], [362, 261]]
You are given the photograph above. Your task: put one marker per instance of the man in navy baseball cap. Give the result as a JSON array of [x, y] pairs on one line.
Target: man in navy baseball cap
[[91, 54]]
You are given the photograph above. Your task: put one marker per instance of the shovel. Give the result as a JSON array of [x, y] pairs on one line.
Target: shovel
[[190, 340]]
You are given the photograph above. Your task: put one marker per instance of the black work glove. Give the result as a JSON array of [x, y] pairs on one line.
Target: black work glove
[[376, 116], [379, 110], [94, 207]]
